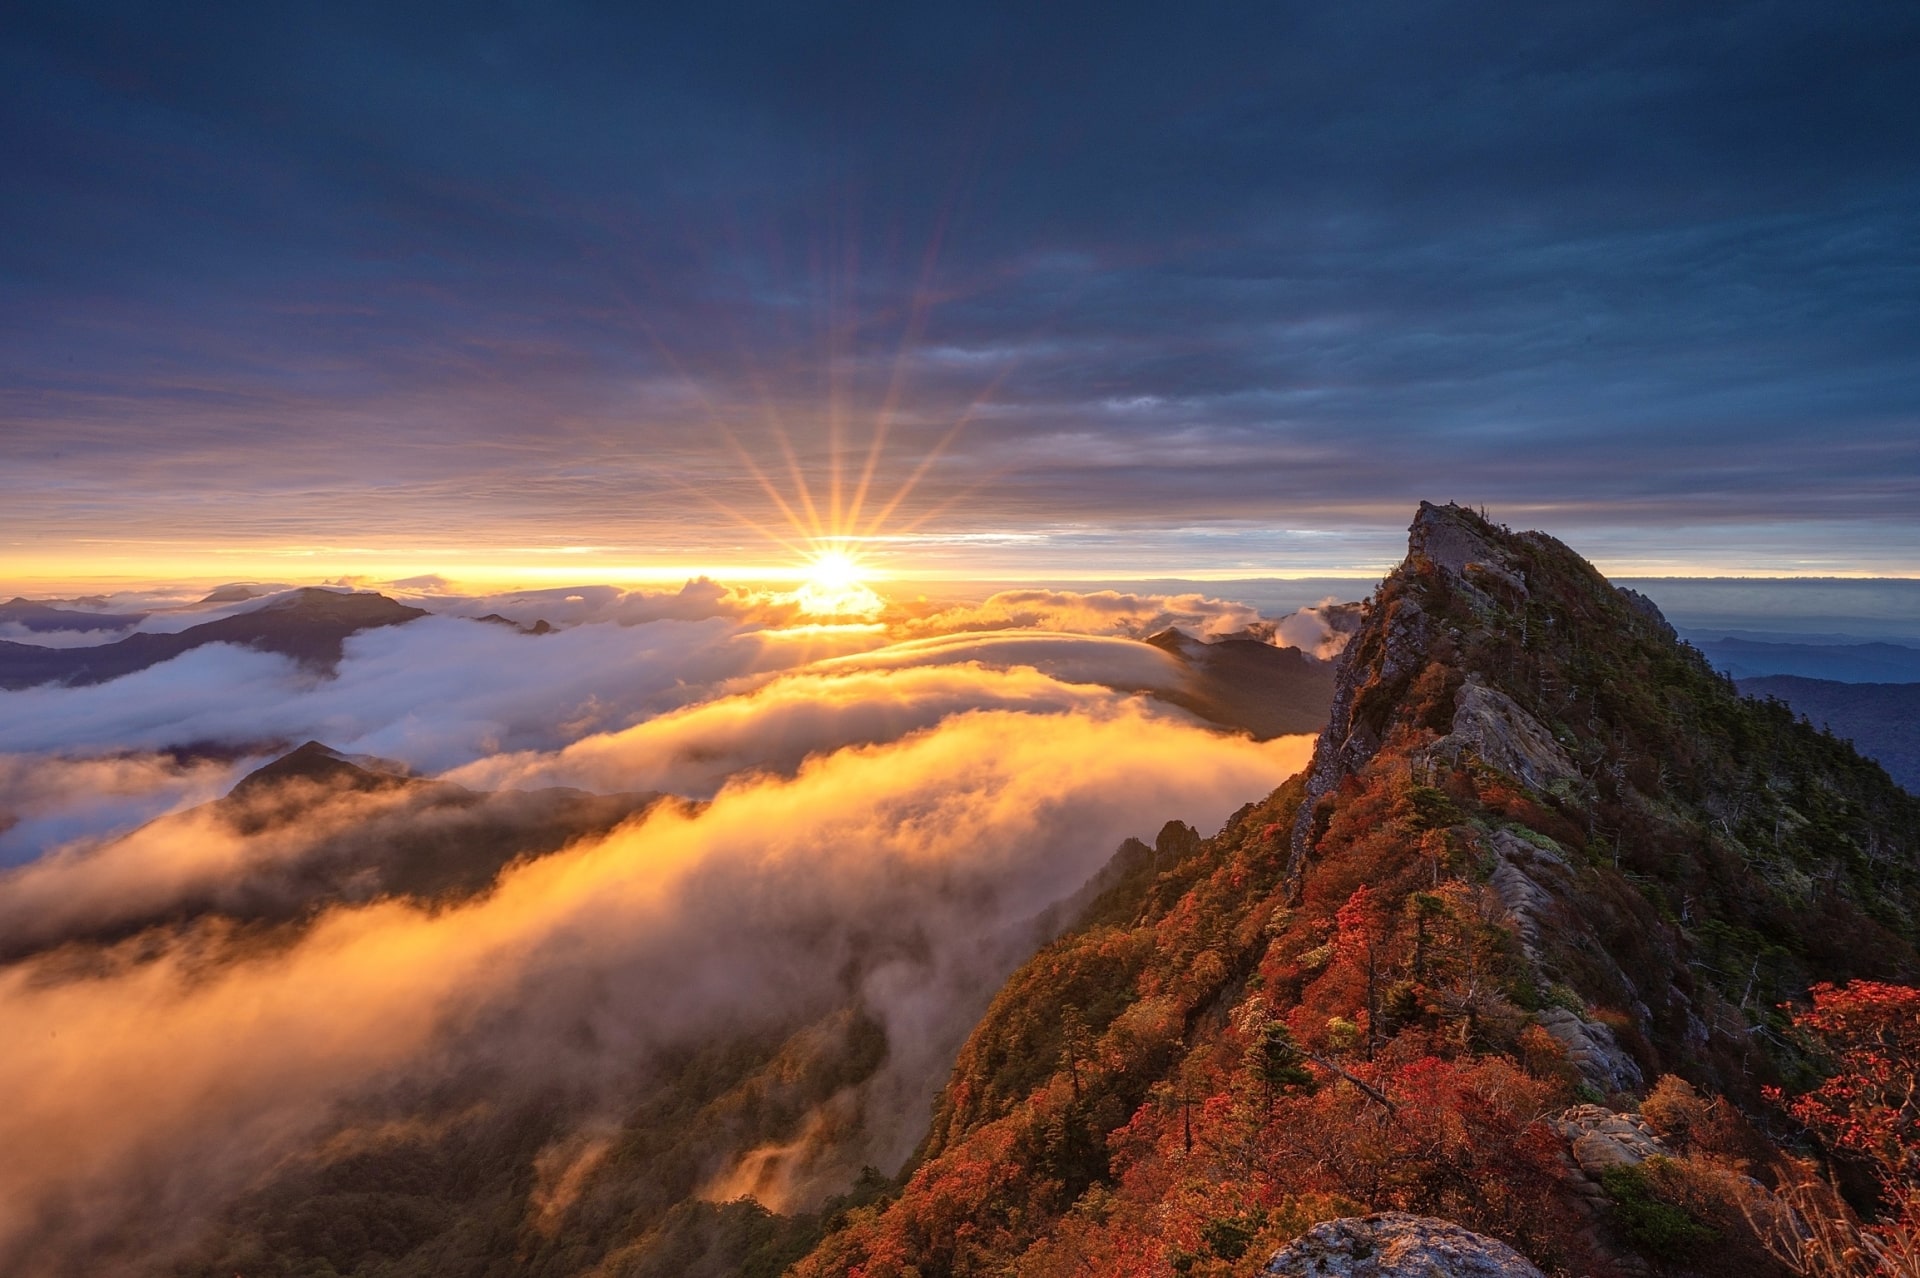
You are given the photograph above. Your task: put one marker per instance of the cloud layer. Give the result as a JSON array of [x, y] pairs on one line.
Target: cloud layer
[[156, 1082], [893, 814], [447, 692]]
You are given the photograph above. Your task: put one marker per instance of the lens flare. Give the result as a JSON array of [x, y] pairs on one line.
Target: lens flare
[[835, 586]]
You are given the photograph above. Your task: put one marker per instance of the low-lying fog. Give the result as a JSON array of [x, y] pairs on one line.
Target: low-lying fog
[[885, 809]]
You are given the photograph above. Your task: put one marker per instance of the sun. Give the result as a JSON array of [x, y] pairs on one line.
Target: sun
[[833, 571], [835, 585]]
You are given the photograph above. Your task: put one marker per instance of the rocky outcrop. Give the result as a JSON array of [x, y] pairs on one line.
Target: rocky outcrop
[[1539, 890], [1394, 643], [1434, 667], [1491, 725], [1394, 1244], [1599, 1138], [1349, 741], [1593, 1050], [1532, 883]]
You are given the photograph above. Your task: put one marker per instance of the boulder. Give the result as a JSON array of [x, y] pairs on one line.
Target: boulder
[[1598, 1138], [1394, 1244]]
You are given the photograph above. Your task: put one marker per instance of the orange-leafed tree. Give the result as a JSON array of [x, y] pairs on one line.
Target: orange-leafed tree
[[1359, 942]]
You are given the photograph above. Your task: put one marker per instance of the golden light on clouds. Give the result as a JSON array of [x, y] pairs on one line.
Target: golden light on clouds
[[836, 586]]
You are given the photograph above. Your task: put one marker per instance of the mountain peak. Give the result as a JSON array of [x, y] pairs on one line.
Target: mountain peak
[[1497, 672], [316, 764], [1451, 537], [1544, 852], [318, 603]]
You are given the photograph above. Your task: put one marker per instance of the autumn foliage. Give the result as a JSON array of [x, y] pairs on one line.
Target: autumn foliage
[[1868, 1109]]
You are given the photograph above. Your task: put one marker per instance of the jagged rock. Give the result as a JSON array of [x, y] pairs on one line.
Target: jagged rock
[[1394, 1244], [1348, 742], [1593, 1050], [1496, 580], [1448, 543], [1490, 724], [1537, 890], [1599, 1138], [1176, 841], [1445, 537], [1531, 881]]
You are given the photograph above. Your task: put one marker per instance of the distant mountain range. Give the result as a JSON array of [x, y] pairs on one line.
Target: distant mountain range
[[310, 625], [1867, 693], [30, 615], [1845, 662]]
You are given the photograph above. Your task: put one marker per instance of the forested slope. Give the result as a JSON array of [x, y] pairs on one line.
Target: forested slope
[[1545, 855]]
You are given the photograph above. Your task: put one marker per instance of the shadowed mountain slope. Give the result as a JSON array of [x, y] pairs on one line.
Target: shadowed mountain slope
[[1250, 685], [1882, 720], [309, 625]]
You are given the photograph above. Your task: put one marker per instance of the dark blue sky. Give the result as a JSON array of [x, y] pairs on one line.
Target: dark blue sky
[[1214, 287]]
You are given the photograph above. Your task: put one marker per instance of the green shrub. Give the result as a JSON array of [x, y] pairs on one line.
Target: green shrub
[[1655, 1226]]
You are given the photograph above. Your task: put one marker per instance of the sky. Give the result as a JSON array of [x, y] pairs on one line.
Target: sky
[[549, 291]]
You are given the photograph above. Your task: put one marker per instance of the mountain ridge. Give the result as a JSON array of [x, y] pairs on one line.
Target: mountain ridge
[[1881, 720], [347, 830], [310, 624], [1544, 852]]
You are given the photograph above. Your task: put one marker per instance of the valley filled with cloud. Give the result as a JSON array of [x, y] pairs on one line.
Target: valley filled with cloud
[[538, 865]]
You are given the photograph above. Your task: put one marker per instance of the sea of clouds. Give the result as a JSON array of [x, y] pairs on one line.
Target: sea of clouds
[[893, 803]]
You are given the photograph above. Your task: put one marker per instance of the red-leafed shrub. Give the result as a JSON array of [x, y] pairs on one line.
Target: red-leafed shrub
[[1869, 1108]]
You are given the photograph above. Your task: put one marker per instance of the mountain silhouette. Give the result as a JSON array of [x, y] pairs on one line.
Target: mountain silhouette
[[309, 625], [347, 829], [33, 616]]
